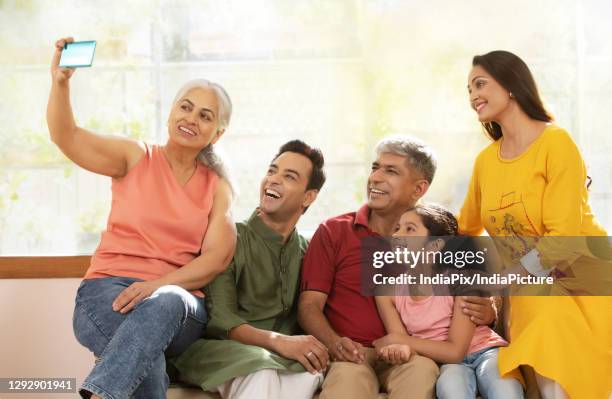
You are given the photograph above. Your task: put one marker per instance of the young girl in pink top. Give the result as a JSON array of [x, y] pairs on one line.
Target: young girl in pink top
[[435, 326]]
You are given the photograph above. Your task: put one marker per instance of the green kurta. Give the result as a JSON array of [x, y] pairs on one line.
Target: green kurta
[[260, 287]]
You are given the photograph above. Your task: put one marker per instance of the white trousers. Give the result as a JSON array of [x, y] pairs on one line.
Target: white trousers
[[550, 389], [271, 384]]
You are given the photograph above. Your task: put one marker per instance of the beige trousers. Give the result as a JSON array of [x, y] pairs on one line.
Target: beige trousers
[[413, 380]]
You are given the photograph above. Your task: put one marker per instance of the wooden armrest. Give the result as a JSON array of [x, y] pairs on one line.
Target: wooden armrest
[[44, 266]]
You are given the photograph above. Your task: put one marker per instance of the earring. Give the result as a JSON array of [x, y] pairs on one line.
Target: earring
[[511, 95]]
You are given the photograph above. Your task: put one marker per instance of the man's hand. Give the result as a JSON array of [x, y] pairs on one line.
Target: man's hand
[[347, 350], [134, 294], [480, 309], [306, 349], [394, 354]]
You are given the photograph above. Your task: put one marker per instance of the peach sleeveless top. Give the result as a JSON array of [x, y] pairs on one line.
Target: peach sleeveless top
[[155, 225]]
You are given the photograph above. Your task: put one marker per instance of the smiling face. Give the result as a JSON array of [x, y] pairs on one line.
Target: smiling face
[[411, 225], [194, 119], [487, 97], [283, 192], [393, 184]]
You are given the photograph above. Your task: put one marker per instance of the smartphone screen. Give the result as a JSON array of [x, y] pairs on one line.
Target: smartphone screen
[[78, 54]]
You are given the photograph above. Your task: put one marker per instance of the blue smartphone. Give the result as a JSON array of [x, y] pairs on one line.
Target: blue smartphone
[[78, 54]]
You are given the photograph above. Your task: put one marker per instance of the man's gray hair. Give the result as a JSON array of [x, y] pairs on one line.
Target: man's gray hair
[[419, 155], [208, 156]]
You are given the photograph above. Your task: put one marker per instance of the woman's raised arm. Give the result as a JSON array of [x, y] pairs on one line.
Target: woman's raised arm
[[106, 155]]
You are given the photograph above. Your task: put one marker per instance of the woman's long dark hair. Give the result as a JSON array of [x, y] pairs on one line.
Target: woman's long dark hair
[[512, 74]]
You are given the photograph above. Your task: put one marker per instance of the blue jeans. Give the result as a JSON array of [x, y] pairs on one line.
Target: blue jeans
[[477, 373], [131, 347]]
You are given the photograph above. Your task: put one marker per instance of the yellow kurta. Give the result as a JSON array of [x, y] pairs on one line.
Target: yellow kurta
[[542, 193]]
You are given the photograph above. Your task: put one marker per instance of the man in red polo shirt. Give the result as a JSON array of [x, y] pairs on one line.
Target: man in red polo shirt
[[332, 307]]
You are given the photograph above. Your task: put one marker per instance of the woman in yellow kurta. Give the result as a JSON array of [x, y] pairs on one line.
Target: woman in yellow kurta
[[528, 184]]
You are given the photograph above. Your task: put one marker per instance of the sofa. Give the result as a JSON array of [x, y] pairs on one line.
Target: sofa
[[36, 339]]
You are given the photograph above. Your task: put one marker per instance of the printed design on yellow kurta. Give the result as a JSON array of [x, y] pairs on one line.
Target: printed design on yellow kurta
[[516, 239]]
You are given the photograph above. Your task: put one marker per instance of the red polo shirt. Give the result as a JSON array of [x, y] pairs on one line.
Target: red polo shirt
[[332, 265]]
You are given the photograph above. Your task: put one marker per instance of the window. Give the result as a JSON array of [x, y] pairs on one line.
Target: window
[[339, 75]]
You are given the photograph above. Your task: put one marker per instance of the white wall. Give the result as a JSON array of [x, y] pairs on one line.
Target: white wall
[[36, 338]]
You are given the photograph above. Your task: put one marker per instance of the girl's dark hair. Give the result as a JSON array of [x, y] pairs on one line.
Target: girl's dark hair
[[441, 223], [514, 75], [437, 219]]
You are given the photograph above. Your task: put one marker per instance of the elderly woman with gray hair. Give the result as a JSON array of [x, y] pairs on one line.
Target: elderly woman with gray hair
[[169, 233]]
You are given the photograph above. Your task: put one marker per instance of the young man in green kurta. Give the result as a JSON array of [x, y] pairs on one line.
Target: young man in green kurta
[[251, 349]]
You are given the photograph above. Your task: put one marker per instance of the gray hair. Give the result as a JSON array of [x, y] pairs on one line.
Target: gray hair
[[208, 156], [419, 155]]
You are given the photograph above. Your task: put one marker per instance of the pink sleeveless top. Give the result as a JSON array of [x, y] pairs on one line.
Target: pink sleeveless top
[[430, 318], [155, 225]]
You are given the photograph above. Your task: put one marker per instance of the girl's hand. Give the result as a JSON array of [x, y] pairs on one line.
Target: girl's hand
[[389, 339], [134, 294], [394, 354], [60, 75]]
